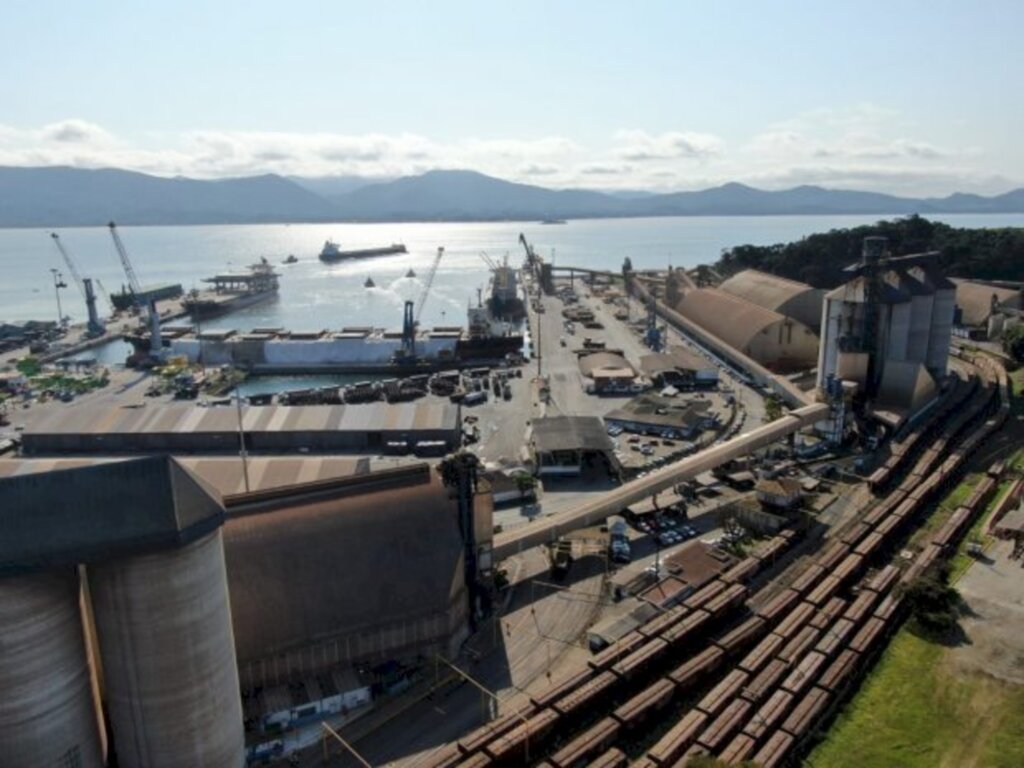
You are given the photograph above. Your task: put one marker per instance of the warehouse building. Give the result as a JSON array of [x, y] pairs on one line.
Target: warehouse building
[[666, 417], [678, 367], [609, 371], [797, 301], [772, 339], [983, 309], [565, 445], [335, 567], [186, 428]]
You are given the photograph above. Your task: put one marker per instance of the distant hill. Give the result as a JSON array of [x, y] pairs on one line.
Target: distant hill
[[60, 196], [467, 195]]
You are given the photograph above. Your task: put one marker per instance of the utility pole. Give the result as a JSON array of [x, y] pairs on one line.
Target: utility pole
[[58, 283], [241, 440]]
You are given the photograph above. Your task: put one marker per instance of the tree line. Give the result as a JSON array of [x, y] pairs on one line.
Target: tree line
[[983, 254]]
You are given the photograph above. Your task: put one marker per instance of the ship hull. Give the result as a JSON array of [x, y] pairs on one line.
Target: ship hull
[[365, 253], [201, 309]]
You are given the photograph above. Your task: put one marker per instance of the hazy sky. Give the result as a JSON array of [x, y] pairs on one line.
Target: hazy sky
[[906, 97]]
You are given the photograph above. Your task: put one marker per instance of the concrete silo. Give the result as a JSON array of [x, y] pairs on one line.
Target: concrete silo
[[148, 533], [164, 625], [48, 717]]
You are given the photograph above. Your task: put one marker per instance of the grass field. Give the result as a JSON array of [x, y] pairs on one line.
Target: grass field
[[914, 711]]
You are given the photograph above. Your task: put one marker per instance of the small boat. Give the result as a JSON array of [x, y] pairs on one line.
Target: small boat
[[369, 283], [411, 272], [291, 259], [552, 221]]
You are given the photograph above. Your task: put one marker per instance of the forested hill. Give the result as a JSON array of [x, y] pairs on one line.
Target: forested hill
[[991, 254]]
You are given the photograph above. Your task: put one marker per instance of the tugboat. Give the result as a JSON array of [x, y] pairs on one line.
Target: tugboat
[[369, 283], [331, 252], [291, 259], [411, 272]]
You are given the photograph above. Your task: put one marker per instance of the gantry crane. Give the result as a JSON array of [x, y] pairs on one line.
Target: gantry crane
[[95, 327], [411, 320]]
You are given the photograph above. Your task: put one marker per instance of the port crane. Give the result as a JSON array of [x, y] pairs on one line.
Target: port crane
[[106, 297], [141, 299], [413, 311], [95, 327]]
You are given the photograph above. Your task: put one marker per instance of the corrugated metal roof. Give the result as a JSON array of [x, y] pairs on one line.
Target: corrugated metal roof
[[178, 418], [779, 294], [975, 300], [734, 320], [605, 360]]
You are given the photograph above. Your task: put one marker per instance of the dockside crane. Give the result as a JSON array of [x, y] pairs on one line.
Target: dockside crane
[[413, 311], [141, 300], [106, 297], [95, 326]]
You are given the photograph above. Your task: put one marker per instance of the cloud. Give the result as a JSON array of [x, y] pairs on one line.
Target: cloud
[[860, 147], [640, 146], [75, 131], [536, 169], [600, 169]]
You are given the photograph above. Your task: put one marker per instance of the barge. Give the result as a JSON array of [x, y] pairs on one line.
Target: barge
[[233, 291]]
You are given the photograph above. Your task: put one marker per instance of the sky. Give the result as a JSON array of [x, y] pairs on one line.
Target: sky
[[913, 98]]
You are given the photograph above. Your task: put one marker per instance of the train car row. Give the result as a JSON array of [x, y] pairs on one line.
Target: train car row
[[818, 634], [624, 664], [809, 677]]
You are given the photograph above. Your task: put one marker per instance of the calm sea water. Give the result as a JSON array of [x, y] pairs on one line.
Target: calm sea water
[[315, 295]]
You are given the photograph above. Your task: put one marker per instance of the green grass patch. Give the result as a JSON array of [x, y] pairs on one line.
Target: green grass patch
[[914, 711], [945, 509]]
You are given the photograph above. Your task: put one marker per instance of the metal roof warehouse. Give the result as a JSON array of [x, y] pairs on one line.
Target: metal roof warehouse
[[190, 429]]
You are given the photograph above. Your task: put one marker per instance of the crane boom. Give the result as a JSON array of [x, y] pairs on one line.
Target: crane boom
[[106, 297], [488, 260], [429, 282], [72, 269], [126, 264]]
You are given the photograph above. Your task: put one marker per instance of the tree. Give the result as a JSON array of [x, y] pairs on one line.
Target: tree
[[772, 408], [1013, 342], [932, 603]]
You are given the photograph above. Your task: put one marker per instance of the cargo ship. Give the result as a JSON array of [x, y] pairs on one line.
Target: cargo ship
[[233, 291], [331, 252], [503, 301]]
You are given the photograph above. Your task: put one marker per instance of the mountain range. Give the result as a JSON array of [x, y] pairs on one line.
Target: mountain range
[[63, 196]]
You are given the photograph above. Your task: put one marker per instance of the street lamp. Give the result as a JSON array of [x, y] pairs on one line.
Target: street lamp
[[58, 283]]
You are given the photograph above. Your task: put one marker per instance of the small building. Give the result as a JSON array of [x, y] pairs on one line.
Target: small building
[[664, 416], [781, 492], [563, 445], [12, 381], [608, 371], [678, 367]]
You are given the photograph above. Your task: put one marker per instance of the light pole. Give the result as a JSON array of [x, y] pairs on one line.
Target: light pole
[[58, 283]]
